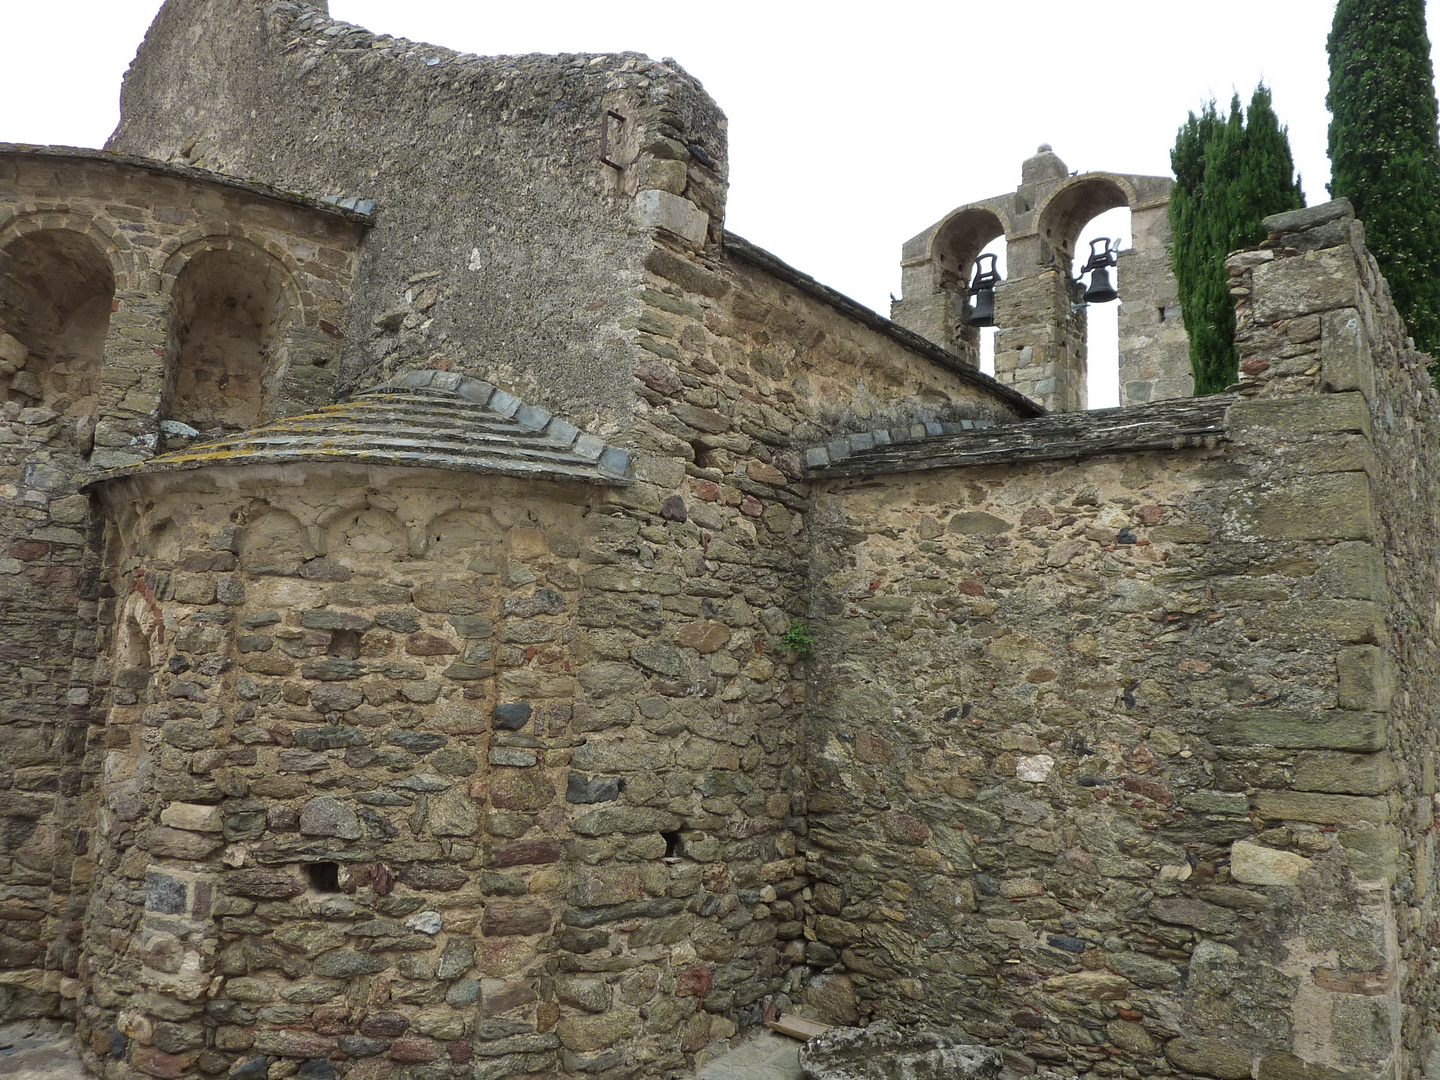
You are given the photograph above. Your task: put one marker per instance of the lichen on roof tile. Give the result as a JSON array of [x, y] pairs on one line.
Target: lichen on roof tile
[[421, 418]]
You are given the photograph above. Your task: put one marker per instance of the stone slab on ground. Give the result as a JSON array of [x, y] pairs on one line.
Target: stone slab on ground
[[884, 1052], [763, 1056], [38, 1051]]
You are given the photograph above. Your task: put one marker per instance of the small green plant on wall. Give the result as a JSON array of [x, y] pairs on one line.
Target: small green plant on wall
[[797, 639]]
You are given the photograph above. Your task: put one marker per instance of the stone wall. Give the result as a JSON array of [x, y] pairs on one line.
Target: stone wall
[[1154, 349], [1104, 761], [403, 772], [1315, 317], [503, 234], [90, 249]]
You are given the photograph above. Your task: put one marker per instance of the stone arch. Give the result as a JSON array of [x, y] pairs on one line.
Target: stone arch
[[1072, 204], [57, 289], [363, 532], [959, 238], [460, 535], [108, 240], [273, 542], [162, 542], [233, 307]]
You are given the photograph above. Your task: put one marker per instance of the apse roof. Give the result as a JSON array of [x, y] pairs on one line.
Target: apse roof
[[420, 419]]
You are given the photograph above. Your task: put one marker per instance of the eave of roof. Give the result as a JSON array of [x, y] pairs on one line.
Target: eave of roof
[[761, 259], [1164, 425], [361, 211]]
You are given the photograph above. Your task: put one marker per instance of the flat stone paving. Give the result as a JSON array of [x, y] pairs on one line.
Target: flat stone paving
[[36, 1050], [765, 1056]]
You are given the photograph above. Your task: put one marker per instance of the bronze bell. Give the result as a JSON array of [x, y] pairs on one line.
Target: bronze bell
[[1100, 291], [982, 312], [1103, 255]]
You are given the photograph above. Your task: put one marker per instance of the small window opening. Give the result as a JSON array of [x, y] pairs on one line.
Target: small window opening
[[1162, 314], [345, 644], [324, 876], [672, 844]]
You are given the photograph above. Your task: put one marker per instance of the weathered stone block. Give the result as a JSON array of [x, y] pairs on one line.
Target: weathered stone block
[[656, 209], [586, 1033], [1353, 570], [582, 789], [1345, 774], [1373, 854], [192, 817], [326, 816], [1317, 281], [1322, 809], [600, 886], [344, 964], [1266, 419], [262, 884], [1335, 506], [325, 619], [625, 819], [1315, 621], [179, 844], [1345, 357], [453, 814], [582, 992], [1286, 1066], [1318, 729], [1254, 864], [703, 636], [1366, 678], [1208, 1057], [525, 853], [515, 918]]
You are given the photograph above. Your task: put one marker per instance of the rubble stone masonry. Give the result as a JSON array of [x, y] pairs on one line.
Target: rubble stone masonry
[[1127, 762], [487, 747]]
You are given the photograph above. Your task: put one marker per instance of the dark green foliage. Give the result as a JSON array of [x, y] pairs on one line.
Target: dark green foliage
[[1384, 154], [1230, 173]]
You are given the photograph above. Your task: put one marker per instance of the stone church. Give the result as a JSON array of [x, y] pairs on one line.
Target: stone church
[[464, 614]]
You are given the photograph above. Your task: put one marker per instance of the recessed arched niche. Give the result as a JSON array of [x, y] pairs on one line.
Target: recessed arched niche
[[56, 292], [231, 307], [364, 534], [462, 535], [273, 542]]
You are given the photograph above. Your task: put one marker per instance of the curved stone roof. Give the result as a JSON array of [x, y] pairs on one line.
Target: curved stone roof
[[421, 419]]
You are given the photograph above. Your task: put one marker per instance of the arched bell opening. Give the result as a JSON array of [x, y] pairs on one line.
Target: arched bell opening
[[1101, 315], [998, 249], [958, 243], [1078, 213], [56, 292], [230, 309]]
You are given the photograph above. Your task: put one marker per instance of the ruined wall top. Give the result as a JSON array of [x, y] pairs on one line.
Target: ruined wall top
[[501, 233]]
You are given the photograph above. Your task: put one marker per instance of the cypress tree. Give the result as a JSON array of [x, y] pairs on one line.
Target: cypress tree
[[1384, 153], [1231, 171]]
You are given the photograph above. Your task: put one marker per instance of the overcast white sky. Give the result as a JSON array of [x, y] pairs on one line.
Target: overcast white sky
[[852, 128]]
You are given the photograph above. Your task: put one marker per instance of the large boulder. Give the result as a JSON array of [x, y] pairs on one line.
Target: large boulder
[[884, 1052]]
